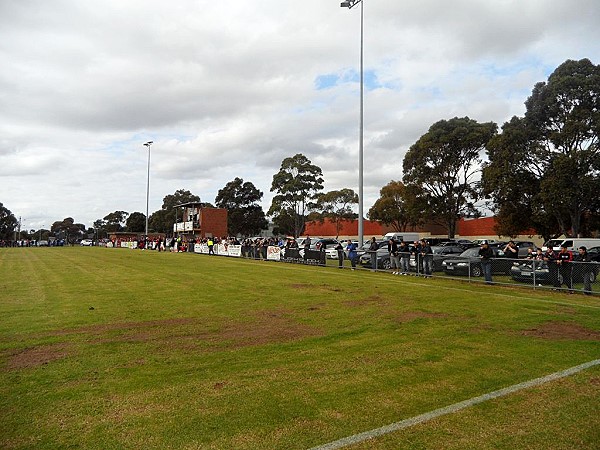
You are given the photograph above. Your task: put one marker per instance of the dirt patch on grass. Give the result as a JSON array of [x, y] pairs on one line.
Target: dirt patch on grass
[[368, 301], [31, 357], [125, 326], [563, 331], [177, 334], [410, 316], [260, 328]]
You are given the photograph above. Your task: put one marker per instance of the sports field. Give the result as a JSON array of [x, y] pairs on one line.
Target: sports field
[[113, 348]]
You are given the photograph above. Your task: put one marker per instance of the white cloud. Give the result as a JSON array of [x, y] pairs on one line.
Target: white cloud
[[228, 89]]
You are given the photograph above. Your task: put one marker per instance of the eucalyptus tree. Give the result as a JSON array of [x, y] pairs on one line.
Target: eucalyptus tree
[[244, 215], [399, 206], [296, 185], [445, 164], [336, 206], [552, 153]]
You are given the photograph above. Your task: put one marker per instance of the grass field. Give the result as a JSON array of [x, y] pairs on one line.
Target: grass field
[[110, 348]]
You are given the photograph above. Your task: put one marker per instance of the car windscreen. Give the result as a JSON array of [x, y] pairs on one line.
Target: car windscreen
[[470, 252]]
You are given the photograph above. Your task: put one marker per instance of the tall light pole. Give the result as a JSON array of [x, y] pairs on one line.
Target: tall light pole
[[148, 144], [350, 4]]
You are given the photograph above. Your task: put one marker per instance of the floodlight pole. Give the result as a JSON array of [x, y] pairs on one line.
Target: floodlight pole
[[350, 4], [148, 144]]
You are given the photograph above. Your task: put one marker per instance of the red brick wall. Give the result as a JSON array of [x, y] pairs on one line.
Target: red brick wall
[[349, 228], [213, 222], [484, 226]]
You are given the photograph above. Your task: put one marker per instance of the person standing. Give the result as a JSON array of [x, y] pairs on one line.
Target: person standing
[[340, 254], [416, 251], [404, 250], [550, 258], [394, 257], [307, 243], [211, 245], [565, 268], [585, 266], [486, 254], [352, 253], [427, 255], [511, 250]]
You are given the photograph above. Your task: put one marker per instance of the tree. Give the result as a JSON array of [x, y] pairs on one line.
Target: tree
[[444, 163], [115, 221], [296, 184], [67, 229], [8, 223], [398, 206], [564, 116], [244, 215], [162, 221], [543, 170], [336, 206], [136, 222]]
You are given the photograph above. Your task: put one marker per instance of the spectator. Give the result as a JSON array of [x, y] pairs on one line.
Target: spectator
[[586, 269], [394, 256], [416, 251], [486, 254], [563, 259], [550, 258], [340, 254], [427, 255], [352, 254], [404, 250], [511, 250]]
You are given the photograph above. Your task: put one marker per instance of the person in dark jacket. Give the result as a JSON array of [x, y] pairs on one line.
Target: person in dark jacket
[[394, 256], [486, 254], [550, 258], [404, 251], [565, 268], [586, 268], [427, 255]]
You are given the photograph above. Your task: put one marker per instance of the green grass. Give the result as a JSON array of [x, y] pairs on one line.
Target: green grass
[[110, 348]]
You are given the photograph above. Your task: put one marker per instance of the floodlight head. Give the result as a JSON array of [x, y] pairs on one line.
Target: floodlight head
[[149, 143], [349, 3]]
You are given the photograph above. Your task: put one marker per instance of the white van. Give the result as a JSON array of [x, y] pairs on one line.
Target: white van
[[406, 237], [572, 243]]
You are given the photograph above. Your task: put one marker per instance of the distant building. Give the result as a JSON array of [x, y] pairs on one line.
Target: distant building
[[194, 220]]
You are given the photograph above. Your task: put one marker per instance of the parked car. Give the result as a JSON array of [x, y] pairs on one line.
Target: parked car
[[42, 243], [328, 245], [469, 263], [86, 242], [440, 254], [528, 270]]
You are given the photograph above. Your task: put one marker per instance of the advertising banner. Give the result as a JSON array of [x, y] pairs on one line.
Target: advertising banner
[[273, 253]]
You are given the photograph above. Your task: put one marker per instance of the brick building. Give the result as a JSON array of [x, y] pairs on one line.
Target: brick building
[[195, 220]]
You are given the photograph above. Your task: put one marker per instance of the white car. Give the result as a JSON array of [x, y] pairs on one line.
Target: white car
[[86, 242]]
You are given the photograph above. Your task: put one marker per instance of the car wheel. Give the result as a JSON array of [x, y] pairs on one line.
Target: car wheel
[[476, 271], [387, 265]]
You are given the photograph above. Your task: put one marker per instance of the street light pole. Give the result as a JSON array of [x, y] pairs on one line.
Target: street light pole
[[350, 4], [148, 144]]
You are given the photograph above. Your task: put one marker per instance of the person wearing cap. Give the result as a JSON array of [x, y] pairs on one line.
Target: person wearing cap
[[486, 254], [563, 260], [584, 264]]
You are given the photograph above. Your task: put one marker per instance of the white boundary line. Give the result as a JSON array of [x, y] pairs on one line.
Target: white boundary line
[[361, 437]]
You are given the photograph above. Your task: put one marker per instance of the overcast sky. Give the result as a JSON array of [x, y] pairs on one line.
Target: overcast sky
[[229, 89]]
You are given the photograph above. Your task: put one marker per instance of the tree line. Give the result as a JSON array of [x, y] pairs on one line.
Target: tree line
[[540, 174]]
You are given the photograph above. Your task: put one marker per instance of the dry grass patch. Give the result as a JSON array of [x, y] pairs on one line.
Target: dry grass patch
[[562, 331]]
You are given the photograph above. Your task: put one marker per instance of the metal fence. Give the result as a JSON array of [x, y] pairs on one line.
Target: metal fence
[[573, 276]]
